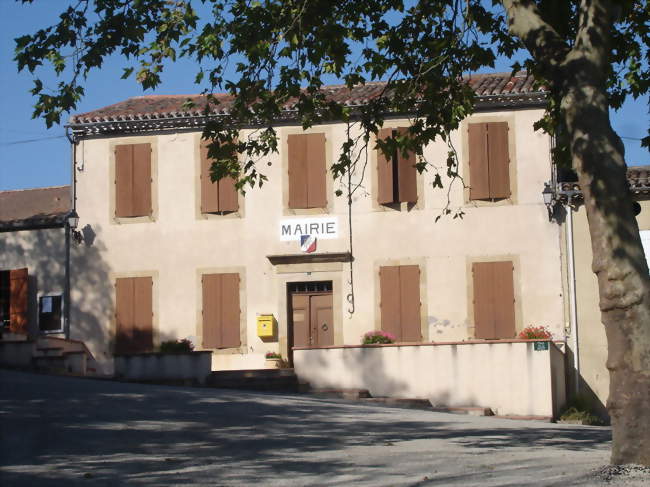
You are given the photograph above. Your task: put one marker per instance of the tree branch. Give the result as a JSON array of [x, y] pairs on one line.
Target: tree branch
[[543, 42]]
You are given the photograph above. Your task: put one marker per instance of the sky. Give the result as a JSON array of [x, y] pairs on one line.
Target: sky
[[33, 156]]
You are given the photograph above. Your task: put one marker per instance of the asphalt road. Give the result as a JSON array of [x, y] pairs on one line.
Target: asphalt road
[[66, 431]]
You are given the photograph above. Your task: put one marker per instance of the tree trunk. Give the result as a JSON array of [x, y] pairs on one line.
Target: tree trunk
[[618, 259]]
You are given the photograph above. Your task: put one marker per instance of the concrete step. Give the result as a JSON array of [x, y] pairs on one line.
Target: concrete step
[[469, 410], [340, 393], [48, 351], [278, 380], [50, 363]]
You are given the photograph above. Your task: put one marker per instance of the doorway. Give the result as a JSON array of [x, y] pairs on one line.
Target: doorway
[[311, 319]]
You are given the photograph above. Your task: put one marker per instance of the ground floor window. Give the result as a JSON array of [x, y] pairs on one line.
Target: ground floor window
[[49, 313], [134, 314], [13, 300], [5, 293]]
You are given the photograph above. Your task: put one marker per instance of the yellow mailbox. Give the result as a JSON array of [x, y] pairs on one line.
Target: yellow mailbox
[[266, 326]]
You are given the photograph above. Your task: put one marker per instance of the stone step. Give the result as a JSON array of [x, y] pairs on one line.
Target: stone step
[[278, 380], [469, 410], [48, 352], [340, 393]]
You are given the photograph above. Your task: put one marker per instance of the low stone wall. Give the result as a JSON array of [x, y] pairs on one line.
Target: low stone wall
[[16, 353], [195, 366], [511, 377]]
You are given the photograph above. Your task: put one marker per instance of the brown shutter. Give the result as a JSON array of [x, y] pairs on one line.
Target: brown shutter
[[123, 181], [228, 196], [297, 155], [141, 180], [143, 314], [211, 284], [483, 300], [504, 299], [384, 172], [18, 293], [407, 174], [124, 315], [316, 171], [300, 320], [497, 133], [230, 312], [209, 190], [409, 277], [479, 180], [390, 300]]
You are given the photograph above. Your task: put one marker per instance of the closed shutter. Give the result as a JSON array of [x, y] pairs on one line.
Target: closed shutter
[[384, 172], [297, 154], [209, 190], [409, 277], [143, 314], [499, 160], [124, 315], [390, 300], [479, 178], [300, 320], [494, 310], [220, 195], [316, 171], [221, 311], [134, 314], [407, 174], [133, 180], [18, 294], [123, 181]]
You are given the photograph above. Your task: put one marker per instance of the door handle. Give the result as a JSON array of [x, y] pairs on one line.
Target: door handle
[[324, 327]]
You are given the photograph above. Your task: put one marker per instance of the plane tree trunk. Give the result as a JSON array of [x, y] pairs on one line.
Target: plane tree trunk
[[578, 74]]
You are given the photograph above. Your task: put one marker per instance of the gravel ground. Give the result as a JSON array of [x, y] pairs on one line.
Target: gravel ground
[[65, 431]]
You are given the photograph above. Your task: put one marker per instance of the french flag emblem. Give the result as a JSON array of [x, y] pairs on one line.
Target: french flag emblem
[[307, 243]]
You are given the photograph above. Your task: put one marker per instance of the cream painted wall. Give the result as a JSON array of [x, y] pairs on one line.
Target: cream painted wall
[[592, 342], [178, 241], [42, 252]]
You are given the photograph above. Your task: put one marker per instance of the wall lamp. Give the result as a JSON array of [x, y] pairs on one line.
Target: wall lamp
[[549, 200], [72, 221]]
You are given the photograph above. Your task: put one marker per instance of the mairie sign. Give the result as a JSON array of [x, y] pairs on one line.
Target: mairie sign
[[322, 228]]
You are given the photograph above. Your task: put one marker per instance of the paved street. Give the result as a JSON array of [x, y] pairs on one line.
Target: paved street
[[66, 431]]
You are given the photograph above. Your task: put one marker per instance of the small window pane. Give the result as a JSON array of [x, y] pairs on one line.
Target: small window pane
[[49, 313]]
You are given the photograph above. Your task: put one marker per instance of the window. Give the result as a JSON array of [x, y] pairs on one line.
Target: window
[[489, 162], [13, 300], [397, 175], [134, 315], [49, 314], [133, 180], [221, 312], [494, 300], [220, 196], [307, 171], [400, 302]]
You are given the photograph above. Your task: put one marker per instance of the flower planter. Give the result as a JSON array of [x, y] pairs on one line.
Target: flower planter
[[273, 363]]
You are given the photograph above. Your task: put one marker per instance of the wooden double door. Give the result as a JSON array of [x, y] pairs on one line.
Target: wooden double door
[[311, 318]]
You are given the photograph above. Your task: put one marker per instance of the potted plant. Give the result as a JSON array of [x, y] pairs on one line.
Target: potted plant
[[378, 336], [535, 333], [273, 360]]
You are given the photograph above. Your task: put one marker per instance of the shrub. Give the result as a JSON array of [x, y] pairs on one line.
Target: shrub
[[273, 355], [585, 417], [377, 337], [176, 346], [535, 332]]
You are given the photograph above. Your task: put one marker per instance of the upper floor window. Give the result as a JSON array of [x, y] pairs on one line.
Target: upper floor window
[[307, 171], [216, 197], [396, 175], [133, 180], [489, 161]]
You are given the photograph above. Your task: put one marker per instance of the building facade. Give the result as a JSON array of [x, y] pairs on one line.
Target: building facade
[[174, 256]]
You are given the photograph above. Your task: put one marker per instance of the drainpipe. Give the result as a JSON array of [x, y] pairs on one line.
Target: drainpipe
[[573, 307], [73, 198]]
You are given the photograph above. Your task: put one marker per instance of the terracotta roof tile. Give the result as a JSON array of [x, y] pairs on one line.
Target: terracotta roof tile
[[34, 207], [152, 107]]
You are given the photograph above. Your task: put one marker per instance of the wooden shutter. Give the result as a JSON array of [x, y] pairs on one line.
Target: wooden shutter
[[406, 174], [494, 310], [316, 171], [221, 311], [300, 320], [497, 136], [143, 314], [123, 181], [18, 295], [384, 172], [409, 280], [390, 294], [297, 154], [209, 190], [220, 195], [124, 315], [133, 180], [134, 314], [479, 179], [142, 180]]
